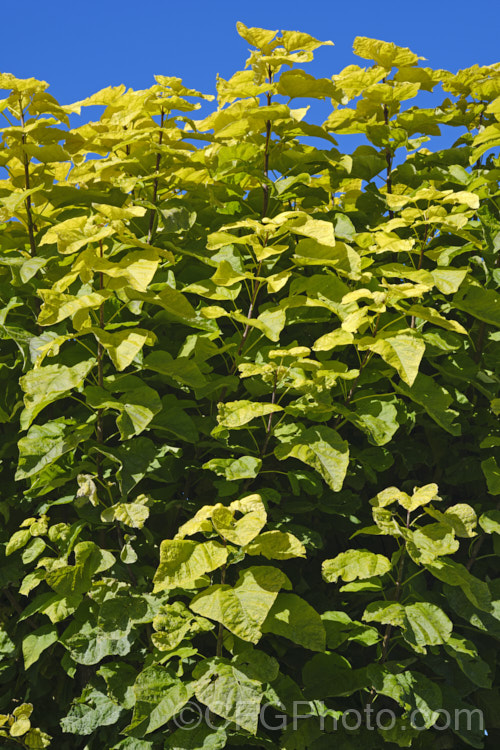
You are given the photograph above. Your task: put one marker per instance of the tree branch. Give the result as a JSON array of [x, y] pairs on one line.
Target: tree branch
[[155, 183], [27, 183]]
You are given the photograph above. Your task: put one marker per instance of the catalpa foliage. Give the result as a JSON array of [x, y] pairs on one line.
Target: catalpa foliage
[[249, 408]]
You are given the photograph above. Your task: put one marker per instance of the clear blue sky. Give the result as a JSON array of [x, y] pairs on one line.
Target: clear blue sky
[[80, 47]]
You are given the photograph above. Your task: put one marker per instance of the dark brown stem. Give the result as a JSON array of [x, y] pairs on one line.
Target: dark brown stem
[[27, 202], [422, 249], [265, 206], [270, 418], [480, 343], [397, 595], [16, 606], [388, 159], [220, 632], [478, 543], [246, 330], [269, 429], [482, 330], [477, 548], [155, 183], [121, 545], [363, 364], [250, 312], [100, 373], [100, 350], [265, 188], [419, 266], [13, 601]]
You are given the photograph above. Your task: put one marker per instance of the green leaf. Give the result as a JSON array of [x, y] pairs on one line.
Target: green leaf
[[491, 471], [87, 488], [229, 692], [136, 407], [44, 385], [88, 644], [136, 460], [37, 642], [330, 675], [233, 469], [73, 234], [340, 628], [421, 496], [37, 739], [257, 664], [298, 83], [131, 743], [124, 346], [388, 496], [448, 280], [341, 257], [18, 540], [490, 522], [173, 623], [329, 341], [385, 54], [57, 306], [158, 697], [18, 728], [323, 450], [461, 517], [260, 38], [131, 514], [242, 609], [235, 414], [295, 619], [119, 678], [432, 316], [402, 351], [182, 369], [353, 564], [412, 690], [56, 607], [376, 417], [271, 323], [276, 545], [89, 712], [400, 732], [385, 612], [76, 579], [435, 399], [183, 562], [122, 612], [424, 545], [479, 302], [243, 530], [173, 419], [469, 661], [44, 444], [454, 574], [426, 624], [198, 738], [316, 229], [295, 40]]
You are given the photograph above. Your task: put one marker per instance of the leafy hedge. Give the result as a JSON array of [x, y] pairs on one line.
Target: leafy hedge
[[248, 403]]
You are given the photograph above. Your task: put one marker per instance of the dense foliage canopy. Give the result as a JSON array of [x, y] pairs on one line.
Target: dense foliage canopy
[[249, 409]]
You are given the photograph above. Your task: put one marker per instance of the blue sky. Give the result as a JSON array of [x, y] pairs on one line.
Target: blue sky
[[80, 47]]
